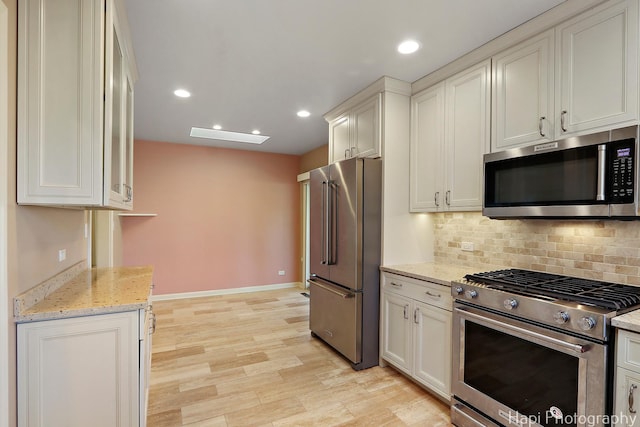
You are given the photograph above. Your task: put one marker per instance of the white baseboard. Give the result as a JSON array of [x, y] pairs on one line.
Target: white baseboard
[[215, 292]]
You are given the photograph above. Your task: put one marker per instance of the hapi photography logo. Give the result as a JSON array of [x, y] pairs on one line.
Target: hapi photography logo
[[554, 416]]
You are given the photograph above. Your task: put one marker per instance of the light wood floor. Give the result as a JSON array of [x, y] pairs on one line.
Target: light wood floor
[[249, 360]]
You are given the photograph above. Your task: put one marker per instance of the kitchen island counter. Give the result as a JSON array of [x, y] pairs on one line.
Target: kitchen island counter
[[80, 291], [435, 272]]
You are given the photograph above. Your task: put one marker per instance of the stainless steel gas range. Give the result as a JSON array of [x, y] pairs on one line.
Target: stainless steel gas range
[[534, 349]]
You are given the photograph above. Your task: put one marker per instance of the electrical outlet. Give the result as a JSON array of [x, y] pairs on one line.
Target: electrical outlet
[[280, 272], [467, 246], [62, 255]]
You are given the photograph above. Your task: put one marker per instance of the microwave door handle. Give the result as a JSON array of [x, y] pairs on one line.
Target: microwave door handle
[[602, 169]]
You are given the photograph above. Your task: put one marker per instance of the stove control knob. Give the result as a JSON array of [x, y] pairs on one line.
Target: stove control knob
[[587, 323], [471, 293], [510, 303], [561, 317], [458, 290]]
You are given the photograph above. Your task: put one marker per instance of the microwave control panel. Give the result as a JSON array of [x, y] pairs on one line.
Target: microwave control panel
[[621, 155]]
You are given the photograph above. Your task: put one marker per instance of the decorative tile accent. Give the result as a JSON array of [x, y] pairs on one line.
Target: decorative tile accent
[[594, 249]]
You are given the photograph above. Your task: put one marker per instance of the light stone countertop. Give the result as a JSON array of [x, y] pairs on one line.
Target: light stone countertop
[[629, 321], [81, 292], [440, 273]]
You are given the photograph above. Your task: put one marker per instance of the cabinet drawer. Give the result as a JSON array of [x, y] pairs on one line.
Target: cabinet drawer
[[421, 290], [628, 355]]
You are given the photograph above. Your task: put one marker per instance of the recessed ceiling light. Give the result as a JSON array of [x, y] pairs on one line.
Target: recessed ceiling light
[[303, 113], [217, 127], [255, 132], [408, 46], [227, 136], [181, 93]]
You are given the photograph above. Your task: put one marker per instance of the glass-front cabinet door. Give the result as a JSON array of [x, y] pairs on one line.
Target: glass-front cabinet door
[[118, 152]]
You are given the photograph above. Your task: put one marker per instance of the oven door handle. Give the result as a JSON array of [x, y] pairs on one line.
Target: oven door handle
[[576, 348]]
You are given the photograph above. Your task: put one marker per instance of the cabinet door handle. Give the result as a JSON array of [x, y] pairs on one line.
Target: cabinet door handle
[[433, 295], [436, 198], [346, 153], [415, 315], [563, 116], [406, 311], [633, 387], [447, 198], [540, 125], [129, 192], [351, 151], [153, 323]]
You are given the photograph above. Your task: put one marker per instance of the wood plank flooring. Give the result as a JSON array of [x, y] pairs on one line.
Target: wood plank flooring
[[249, 360]]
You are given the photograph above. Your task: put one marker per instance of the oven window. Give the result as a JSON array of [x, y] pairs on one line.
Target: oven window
[[527, 377]]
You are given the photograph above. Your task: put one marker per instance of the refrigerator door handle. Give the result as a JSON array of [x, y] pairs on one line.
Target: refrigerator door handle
[[325, 223], [331, 223], [331, 289]]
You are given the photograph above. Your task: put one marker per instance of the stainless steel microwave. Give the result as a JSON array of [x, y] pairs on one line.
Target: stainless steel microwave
[[586, 176]]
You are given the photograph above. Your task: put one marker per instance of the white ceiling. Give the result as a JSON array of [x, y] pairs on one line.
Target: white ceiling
[[254, 63]]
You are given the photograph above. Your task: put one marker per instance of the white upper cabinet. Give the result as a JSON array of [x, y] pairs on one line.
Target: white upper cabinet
[[467, 137], [118, 178], [340, 144], [577, 78], [359, 125], [366, 128], [356, 133], [427, 145], [597, 69], [522, 89], [75, 104], [450, 132]]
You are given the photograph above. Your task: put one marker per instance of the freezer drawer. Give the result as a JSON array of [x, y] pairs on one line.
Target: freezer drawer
[[335, 315]]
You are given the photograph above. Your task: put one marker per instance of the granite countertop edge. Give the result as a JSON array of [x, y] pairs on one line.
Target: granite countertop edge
[[629, 321], [52, 315], [436, 272], [80, 291], [444, 274]]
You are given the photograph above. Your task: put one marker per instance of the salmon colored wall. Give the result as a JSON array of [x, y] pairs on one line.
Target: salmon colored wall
[[226, 218]]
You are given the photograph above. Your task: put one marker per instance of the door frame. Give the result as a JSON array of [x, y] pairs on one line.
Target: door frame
[[303, 179], [4, 204]]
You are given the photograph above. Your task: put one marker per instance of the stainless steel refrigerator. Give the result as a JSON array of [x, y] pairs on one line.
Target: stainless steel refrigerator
[[345, 242]]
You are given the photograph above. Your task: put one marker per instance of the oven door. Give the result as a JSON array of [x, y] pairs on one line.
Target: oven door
[[520, 374]]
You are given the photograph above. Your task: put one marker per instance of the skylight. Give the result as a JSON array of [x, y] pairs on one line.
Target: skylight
[[228, 136]]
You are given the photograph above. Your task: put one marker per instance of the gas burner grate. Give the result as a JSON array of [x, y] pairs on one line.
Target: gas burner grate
[[532, 283]]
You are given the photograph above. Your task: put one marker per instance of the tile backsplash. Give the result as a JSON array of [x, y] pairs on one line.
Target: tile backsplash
[[595, 249]]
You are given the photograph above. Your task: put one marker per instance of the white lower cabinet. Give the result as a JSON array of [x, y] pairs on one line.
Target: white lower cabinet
[[416, 330], [84, 371], [627, 380]]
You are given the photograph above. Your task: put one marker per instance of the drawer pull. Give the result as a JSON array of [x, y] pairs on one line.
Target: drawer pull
[[396, 285], [633, 387], [433, 295]]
